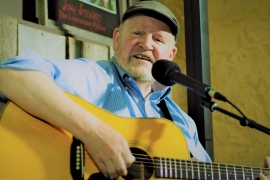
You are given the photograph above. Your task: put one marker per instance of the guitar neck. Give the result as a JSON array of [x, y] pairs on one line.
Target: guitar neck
[[186, 169]]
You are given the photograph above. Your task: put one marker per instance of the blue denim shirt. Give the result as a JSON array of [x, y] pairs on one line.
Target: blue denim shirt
[[106, 85]]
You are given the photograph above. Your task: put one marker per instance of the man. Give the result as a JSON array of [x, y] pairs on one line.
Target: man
[[124, 85]]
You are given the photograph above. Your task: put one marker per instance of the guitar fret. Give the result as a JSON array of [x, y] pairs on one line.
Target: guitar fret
[[189, 169], [223, 171], [239, 173], [170, 167], [247, 171], [161, 168], [227, 172], [230, 172], [165, 169], [243, 173], [257, 171], [186, 169], [208, 170], [234, 172], [195, 170], [219, 177], [211, 166], [216, 171], [175, 168], [204, 171], [201, 170], [181, 169]]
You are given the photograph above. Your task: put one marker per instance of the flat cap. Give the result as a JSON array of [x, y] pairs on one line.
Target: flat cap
[[156, 10]]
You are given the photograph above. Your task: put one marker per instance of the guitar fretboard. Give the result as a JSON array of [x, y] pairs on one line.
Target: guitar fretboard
[[186, 169]]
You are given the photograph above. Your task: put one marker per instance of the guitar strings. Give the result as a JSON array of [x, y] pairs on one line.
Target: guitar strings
[[184, 173], [192, 166]]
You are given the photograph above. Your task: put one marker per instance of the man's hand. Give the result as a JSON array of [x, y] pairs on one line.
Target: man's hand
[[266, 175], [109, 150]]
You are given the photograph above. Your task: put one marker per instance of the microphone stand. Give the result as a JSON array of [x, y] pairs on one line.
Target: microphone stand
[[211, 106]]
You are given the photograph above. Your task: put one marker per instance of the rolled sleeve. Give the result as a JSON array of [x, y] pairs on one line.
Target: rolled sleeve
[[30, 60]]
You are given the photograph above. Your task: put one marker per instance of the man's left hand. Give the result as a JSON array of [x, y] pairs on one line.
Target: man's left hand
[[266, 175]]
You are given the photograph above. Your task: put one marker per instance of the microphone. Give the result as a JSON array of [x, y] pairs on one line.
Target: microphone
[[168, 73]]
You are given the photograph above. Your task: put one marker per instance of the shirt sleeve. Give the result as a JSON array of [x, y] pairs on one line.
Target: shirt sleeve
[[29, 60], [80, 77]]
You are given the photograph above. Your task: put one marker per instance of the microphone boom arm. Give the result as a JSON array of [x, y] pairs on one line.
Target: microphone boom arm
[[210, 105]]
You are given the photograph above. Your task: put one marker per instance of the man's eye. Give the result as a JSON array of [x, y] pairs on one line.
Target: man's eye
[[159, 40], [136, 33]]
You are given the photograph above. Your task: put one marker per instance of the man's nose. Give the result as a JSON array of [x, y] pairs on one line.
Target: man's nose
[[146, 43]]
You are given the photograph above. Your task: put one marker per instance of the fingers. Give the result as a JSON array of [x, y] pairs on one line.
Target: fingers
[[267, 162], [265, 176], [262, 176], [127, 156], [115, 167], [112, 170], [109, 150]]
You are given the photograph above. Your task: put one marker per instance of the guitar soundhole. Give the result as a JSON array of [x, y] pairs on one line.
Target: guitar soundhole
[[142, 168]]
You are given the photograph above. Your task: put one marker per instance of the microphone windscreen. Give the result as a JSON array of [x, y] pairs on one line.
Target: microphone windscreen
[[162, 71]]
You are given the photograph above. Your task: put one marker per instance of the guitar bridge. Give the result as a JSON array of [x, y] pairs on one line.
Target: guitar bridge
[[77, 159]]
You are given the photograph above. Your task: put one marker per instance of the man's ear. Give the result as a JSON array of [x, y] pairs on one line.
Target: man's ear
[[115, 37], [173, 53]]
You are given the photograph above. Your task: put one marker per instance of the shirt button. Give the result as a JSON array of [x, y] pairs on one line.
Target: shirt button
[[127, 79]]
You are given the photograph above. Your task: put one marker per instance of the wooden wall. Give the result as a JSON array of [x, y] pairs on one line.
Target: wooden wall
[[8, 37], [17, 35]]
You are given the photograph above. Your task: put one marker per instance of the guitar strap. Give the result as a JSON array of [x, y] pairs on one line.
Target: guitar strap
[[162, 105]]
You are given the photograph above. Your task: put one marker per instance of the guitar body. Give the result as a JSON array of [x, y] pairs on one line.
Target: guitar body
[[33, 149]]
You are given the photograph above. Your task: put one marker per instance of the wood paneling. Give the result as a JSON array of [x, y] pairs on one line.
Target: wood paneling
[[45, 43], [8, 37], [94, 51]]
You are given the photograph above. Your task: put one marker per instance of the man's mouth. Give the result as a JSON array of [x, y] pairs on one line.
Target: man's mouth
[[142, 57]]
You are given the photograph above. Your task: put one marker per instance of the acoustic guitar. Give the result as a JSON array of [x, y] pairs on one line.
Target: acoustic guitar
[[30, 148]]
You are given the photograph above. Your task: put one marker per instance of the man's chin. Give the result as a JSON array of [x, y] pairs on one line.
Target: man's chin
[[142, 77], [145, 79]]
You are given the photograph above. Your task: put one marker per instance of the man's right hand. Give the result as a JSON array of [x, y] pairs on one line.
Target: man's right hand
[[109, 150]]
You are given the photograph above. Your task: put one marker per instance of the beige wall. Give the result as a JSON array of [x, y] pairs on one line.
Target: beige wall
[[240, 61], [239, 34]]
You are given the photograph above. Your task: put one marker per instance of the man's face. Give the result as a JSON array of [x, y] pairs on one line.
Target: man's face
[[141, 41]]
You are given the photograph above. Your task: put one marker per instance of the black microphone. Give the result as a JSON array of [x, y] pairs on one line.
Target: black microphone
[[168, 73]]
